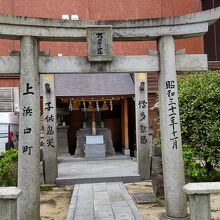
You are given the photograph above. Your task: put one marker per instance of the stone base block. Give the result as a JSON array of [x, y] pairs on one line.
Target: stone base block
[[81, 139], [94, 151], [157, 176], [163, 216], [62, 140], [126, 152]]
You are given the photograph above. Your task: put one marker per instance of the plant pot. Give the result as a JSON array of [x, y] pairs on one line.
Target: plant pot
[[156, 151], [157, 177]]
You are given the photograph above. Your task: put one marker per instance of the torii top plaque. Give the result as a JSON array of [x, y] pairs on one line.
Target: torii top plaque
[[99, 40]]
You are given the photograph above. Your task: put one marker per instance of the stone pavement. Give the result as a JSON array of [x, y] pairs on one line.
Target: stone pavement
[[111, 169], [102, 201]]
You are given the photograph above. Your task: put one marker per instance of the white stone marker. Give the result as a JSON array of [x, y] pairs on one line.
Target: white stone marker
[[50, 131], [29, 132], [8, 202], [173, 169], [142, 127]]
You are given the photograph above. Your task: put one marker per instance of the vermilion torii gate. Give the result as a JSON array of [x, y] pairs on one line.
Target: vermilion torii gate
[[31, 30]]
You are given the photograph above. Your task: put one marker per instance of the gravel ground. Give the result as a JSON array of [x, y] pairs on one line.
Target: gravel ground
[[55, 202], [152, 211]]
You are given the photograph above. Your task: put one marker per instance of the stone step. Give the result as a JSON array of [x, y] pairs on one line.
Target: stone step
[[69, 158], [95, 171], [72, 181]]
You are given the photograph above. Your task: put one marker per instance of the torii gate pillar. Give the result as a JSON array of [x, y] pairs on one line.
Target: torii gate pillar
[[173, 168], [29, 132]]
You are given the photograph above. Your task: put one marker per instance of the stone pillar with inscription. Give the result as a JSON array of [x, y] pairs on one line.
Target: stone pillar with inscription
[[142, 126], [29, 132], [50, 132], [173, 169]]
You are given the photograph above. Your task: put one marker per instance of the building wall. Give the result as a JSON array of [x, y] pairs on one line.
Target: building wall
[[105, 10], [11, 82], [212, 38]]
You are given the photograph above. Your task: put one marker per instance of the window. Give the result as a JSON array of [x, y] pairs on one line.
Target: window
[[9, 99]]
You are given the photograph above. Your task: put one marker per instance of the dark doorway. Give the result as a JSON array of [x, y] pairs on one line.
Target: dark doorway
[[212, 38]]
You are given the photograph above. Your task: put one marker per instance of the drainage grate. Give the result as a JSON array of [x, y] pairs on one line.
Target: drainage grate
[[144, 198]]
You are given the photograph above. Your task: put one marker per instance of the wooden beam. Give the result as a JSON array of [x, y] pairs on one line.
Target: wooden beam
[[126, 139], [124, 123]]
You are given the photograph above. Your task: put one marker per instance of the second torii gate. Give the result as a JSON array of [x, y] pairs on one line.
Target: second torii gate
[[31, 30]]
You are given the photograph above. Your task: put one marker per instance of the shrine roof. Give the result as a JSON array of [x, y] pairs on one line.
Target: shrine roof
[[85, 85]]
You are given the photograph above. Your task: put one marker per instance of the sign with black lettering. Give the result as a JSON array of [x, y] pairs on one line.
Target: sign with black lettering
[[99, 40]]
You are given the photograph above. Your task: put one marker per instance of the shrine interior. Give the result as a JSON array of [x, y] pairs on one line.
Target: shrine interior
[[77, 114]]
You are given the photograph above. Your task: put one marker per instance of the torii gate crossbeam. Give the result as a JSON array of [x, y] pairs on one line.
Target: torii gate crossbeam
[[120, 64]]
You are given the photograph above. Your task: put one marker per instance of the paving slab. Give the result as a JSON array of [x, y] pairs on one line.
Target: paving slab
[[78, 171], [110, 201], [144, 197]]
